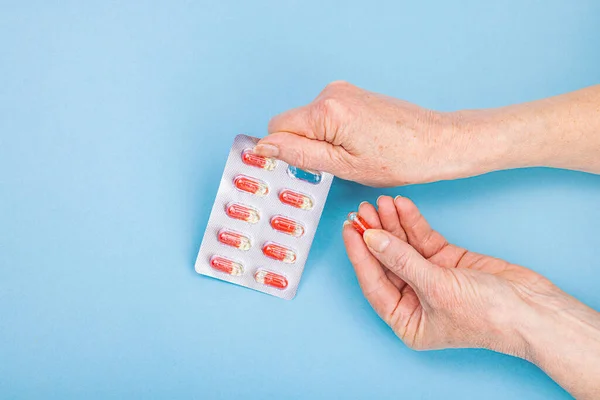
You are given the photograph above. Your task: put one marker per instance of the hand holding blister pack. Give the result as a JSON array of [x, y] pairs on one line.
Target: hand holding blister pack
[[263, 222]]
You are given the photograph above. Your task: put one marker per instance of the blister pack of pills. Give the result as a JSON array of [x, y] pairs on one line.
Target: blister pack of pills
[[263, 222]]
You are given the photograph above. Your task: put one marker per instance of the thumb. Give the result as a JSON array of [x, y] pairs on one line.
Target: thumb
[[402, 259], [298, 151]]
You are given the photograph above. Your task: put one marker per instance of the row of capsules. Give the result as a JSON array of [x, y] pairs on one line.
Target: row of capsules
[[251, 215]]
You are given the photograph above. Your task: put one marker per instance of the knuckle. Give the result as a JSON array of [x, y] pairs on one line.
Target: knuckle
[[399, 260], [338, 84], [297, 156], [272, 125], [425, 243], [340, 160], [298, 159], [331, 107]]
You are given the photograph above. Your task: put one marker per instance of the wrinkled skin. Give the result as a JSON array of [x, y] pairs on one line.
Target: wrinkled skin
[[434, 294], [365, 137], [431, 293]]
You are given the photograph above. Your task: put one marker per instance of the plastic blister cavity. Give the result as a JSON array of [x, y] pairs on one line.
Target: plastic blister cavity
[[296, 199], [242, 212], [249, 158], [313, 177], [263, 222], [251, 185], [270, 279], [287, 226], [279, 252], [234, 239], [226, 265]]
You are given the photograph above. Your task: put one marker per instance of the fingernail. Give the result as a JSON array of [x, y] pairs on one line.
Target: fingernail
[[376, 239], [397, 197], [267, 150], [346, 222], [363, 202], [379, 198]]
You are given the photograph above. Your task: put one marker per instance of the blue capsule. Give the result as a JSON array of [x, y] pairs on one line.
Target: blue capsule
[[313, 177]]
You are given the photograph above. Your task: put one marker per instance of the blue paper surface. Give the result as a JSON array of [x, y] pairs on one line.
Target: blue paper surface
[[115, 123]]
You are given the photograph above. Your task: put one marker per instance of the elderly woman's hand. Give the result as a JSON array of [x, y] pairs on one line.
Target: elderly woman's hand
[[382, 141], [436, 295], [368, 138]]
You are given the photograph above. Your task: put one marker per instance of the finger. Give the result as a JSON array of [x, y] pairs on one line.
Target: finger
[[296, 121], [420, 234], [389, 217], [428, 242], [372, 218], [450, 256], [368, 212], [300, 152], [402, 259], [377, 288]]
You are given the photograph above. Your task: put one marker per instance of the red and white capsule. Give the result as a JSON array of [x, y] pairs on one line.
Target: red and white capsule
[[279, 252], [296, 199], [234, 239], [249, 158], [287, 226], [251, 185], [270, 279], [242, 212], [227, 266], [358, 223]]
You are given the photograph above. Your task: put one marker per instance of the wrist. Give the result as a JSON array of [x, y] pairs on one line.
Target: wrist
[[531, 323], [558, 322], [497, 139], [562, 337]]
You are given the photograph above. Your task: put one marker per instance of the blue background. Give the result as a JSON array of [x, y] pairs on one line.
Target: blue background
[[115, 124]]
